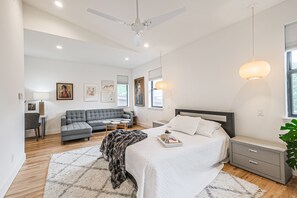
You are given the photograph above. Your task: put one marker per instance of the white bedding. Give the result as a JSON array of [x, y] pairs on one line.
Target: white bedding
[[176, 172]]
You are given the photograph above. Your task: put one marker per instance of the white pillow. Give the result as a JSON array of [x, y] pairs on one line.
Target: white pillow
[[185, 124], [206, 127]]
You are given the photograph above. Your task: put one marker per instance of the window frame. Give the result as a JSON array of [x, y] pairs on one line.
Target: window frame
[[127, 89], [152, 95], [290, 72]]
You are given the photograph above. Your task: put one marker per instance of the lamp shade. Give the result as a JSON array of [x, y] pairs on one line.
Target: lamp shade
[[161, 85], [254, 70], [41, 95]]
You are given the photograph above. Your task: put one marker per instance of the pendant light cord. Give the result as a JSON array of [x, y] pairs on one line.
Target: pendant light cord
[[253, 32], [161, 59]]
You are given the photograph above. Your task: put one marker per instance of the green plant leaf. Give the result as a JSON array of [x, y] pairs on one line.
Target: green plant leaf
[[290, 138], [294, 121]]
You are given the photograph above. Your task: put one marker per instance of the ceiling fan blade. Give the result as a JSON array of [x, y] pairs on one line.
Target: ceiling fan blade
[[152, 22], [112, 18]]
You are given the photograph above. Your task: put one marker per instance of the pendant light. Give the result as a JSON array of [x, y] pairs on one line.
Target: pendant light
[[254, 69], [161, 85]]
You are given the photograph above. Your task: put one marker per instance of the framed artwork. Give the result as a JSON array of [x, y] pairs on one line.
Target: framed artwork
[[91, 92], [64, 91], [32, 107], [139, 92], [107, 85], [107, 97]]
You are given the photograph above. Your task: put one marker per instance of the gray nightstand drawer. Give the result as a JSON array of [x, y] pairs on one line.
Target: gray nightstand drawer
[[159, 123], [264, 158], [256, 153], [257, 165]]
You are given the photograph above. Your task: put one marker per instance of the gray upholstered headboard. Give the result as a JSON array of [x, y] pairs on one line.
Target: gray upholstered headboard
[[225, 118]]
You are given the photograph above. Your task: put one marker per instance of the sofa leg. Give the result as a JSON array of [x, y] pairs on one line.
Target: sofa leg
[[88, 138]]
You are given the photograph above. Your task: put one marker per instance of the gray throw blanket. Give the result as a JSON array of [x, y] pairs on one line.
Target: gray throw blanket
[[113, 149]]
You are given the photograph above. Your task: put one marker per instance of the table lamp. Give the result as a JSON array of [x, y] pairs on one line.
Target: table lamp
[[41, 96]]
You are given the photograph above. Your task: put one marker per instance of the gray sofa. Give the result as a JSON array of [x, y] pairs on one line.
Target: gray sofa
[[78, 124], [74, 126]]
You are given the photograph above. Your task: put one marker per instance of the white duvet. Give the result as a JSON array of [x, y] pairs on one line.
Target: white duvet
[[180, 172]]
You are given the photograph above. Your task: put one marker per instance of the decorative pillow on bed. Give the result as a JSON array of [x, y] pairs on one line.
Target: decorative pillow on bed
[[206, 127], [185, 124]]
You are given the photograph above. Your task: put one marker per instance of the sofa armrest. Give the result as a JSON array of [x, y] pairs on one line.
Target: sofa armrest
[[130, 116], [63, 120]]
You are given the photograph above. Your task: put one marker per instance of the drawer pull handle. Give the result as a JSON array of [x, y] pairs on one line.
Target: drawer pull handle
[[253, 162], [253, 151]]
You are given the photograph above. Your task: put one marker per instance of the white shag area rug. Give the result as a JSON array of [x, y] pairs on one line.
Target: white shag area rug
[[80, 174]]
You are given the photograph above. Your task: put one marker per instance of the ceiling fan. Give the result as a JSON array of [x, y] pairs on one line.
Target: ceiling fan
[[138, 27]]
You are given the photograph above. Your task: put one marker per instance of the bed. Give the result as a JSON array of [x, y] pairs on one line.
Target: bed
[[181, 171]]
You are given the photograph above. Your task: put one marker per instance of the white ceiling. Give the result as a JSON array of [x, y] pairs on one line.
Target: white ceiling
[[44, 45], [202, 17]]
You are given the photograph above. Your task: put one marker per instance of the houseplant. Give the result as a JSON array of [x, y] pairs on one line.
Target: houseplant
[[290, 138]]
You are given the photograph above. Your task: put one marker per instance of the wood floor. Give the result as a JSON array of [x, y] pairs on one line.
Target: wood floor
[[30, 181]]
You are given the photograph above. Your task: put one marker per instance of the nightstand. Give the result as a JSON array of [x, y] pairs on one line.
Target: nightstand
[[159, 123], [261, 157]]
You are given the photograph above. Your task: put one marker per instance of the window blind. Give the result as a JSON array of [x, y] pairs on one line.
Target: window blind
[[155, 74], [291, 36], [122, 80]]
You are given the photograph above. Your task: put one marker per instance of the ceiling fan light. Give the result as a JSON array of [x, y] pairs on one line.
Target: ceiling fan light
[[161, 85], [254, 70], [137, 39]]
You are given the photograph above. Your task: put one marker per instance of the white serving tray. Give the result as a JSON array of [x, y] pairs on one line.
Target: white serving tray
[[170, 145]]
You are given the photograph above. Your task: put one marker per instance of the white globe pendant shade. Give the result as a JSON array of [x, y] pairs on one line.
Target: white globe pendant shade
[[161, 85], [254, 70]]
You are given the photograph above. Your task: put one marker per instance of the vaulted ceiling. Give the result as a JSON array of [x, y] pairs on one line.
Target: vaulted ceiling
[[201, 18]]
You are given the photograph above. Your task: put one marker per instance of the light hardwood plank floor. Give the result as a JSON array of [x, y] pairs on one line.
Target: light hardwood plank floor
[[30, 181]]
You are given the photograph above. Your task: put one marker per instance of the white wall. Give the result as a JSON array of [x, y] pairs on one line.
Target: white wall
[[11, 83], [204, 75], [42, 75]]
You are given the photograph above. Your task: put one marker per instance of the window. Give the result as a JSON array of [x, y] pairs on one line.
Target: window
[[292, 82], [156, 95], [291, 58], [122, 91]]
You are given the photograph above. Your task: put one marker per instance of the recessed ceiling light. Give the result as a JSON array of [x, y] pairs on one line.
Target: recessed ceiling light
[[59, 47], [59, 4], [127, 59], [146, 45]]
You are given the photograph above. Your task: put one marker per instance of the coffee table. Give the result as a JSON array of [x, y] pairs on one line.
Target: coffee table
[[114, 125]]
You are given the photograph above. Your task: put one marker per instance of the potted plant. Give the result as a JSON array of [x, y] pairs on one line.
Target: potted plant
[[290, 138]]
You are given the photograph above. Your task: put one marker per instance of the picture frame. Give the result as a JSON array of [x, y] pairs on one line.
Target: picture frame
[[107, 86], [64, 91], [139, 92], [32, 107], [91, 92], [107, 97]]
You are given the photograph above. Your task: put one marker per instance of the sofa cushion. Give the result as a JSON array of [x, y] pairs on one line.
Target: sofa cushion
[[100, 114], [75, 116], [126, 116], [93, 123], [76, 128]]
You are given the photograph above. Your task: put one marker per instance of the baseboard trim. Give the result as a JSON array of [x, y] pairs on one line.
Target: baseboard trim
[[50, 132], [12, 175], [145, 125]]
